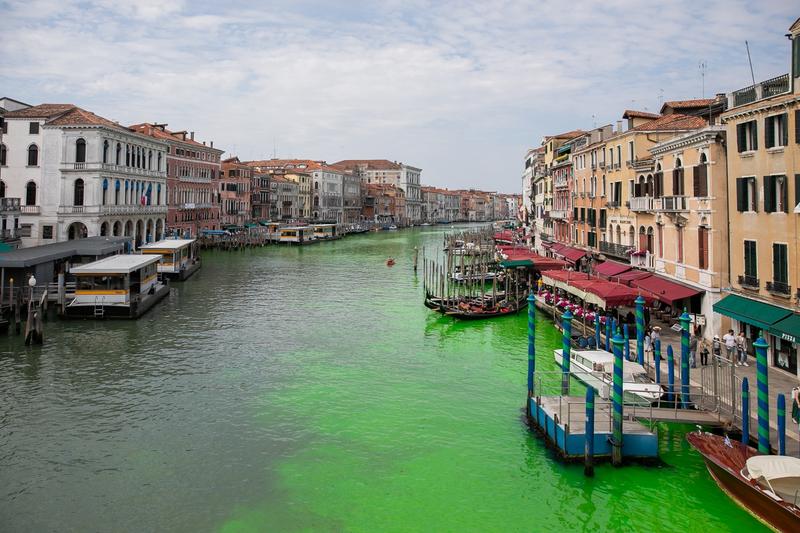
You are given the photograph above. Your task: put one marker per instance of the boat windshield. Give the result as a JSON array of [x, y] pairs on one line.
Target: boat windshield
[[640, 377]]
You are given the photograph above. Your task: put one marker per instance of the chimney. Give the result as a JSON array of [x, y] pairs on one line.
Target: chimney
[[183, 135], [619, 126], [212, 144], [191, 135], [204, 143]]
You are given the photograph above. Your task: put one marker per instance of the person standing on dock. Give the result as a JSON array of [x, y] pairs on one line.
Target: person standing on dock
[[741, 349], [703, 347], [730, 344], [693, 351]]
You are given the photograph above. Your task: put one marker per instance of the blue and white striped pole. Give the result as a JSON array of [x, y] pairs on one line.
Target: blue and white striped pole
[[616, 400], [762, 382]]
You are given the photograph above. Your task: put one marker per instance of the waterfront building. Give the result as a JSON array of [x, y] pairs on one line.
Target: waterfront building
[[328, 184], [193, 170], [562, 175], [259, 198], [383, 203], [234, 188], [551, 145], [762, 123], [383, 171], [351, 197], [10, 211], [432, 204], [452, 206], [588, 212], [295, 170], [284, 198], [80, 175]]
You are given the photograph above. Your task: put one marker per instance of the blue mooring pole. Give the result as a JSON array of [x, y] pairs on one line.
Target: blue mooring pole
[[566, 344], [531, 349], [781, 424], [640, 329], [685, 320], [670, 374], [762, 397], [616, 401], [745, 411], [657, 357], [627, 342], [597, 330], [608, 333], [588, 465]]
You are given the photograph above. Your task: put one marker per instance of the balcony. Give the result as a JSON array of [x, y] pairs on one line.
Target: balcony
[[612, 204], [192, 205], [779, 287], [759, 91], [193, 179], [749, 282], [133, 209], [641, 203], [671, 204], [9, 205], [545, 237], [8, 235], [558, 213], [108, 167], [30, 209], [79, 210], [617, 250]]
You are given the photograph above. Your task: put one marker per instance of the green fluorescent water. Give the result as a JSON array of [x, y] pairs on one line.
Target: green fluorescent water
[[308, 389]]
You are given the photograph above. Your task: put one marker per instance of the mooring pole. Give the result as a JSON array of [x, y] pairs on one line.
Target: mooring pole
[[627, 342], [597, 330], [670, 374], [608, 333], [640, 329], [531, 349], [588, 460], [566, 345], [657, 357], [684, 320], [745, 411], [781, 424], [616, 399], [762, 382]]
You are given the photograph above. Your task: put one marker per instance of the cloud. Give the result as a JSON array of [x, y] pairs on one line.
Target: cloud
[[460, 89]]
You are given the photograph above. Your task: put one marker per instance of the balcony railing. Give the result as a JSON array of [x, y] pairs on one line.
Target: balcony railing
[[30, 209], [759, 91], [612, 204], [558, 213], [8, 235], [9, 204], [546, 237], [193, 179], [779, 287], [749, 281], [617, 250], [671, 204], [113, 168], [133, 209]]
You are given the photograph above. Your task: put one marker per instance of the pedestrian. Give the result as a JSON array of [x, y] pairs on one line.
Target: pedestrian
[[656, 335], [693, 350], [741, 348], [648, 343], [703, 352], [716, 347], [730, 344], [796, 405]]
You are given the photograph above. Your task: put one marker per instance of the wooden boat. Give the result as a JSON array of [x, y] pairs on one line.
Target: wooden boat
[[768, 486], [473, 311], [390, 262]]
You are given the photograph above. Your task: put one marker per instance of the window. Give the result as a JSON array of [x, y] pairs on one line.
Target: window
[[658, 184], [80, 151], [77, 192], [602, 218], [2, 155], [33, 128], [702, 243], [780, 263], [747, 136], [630, 151], [619, 155], [105, 151], [775, 194], [750, 260], [677, 179], [30, 193], [33, 155], [679, 229], [746, 194], [797, 117], [776, 131], [700, 180], [660, 229], [47, 232], [3, 126]]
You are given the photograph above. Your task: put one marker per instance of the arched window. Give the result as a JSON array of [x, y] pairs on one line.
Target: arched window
[[119, 154], [631, 236], [30, 193], [80, 151], [78, 192], [702, 244], [105, 151], [105, 190], [159, 162], [33, 155], [116, 192], [158, 191], [150, 160], [127, 155], [700, 180], [2, 154]]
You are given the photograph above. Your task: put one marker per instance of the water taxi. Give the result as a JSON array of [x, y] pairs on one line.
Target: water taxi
[[179, 257], [596, 367], [120, 286], [296, 235], [326, 232]]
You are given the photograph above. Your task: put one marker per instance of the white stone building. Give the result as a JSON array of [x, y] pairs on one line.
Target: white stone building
[[80, 175], [387, 172], [327, 187]]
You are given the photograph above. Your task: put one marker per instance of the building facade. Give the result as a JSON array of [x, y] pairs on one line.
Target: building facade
[[234, 188], [383, 171]]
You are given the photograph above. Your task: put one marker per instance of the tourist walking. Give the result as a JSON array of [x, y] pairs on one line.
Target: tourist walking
[[730, 344], [648, 344], [796, 405], [703, 352], [693, 351], [716, 347], [741, 348]]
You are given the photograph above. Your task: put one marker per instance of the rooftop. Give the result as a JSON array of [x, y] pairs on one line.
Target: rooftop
[[116, 264], [632, 113], [368, 164], [36, 255], [672, 122], [167, 244], [160, 131]]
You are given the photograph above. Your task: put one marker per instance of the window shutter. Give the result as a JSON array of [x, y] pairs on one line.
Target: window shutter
[[740, 139], [797, 126], [769, 194], [675, 182], [769, 132], [785, 130], [696, 180], [754, 134], [796, 189], [741, 192], [776, 262], [703, 247], [785, 194]]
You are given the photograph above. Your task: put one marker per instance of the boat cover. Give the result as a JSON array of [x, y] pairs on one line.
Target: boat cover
[[781, 474]]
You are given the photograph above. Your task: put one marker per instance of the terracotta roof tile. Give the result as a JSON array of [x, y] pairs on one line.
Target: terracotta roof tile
[[161, 132], [40, 111], [370, 164], [687, 104], [567, 135], [672, 122], [79, 117], [632, 113]]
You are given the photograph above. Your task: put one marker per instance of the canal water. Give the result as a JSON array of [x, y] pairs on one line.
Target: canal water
[[308, 389]]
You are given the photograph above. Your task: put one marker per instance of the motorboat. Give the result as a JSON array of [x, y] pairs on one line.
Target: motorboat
[[392, 227], [596, 369], [768, 486]]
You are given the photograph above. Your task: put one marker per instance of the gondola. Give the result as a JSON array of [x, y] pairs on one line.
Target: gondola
[[476, 312]]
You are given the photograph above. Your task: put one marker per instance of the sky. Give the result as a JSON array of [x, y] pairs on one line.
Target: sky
[[460, 89]]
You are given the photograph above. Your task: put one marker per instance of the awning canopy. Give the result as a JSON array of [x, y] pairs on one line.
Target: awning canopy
[[521, 257], [611, 268], [664, 290], [751, 311], [562, 278], [506, 235], [630, 275], [605, 293], [787, 329], [573, 255]]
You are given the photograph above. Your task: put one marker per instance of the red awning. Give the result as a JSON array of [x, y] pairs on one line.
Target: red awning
[[506, 235], [541, 263], [611, 268], [608, 294], [565, 275], [631, 275], [573, 255], [664, 290], [556, 247]]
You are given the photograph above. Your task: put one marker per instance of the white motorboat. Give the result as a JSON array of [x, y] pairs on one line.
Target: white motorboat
[[596, 368]]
